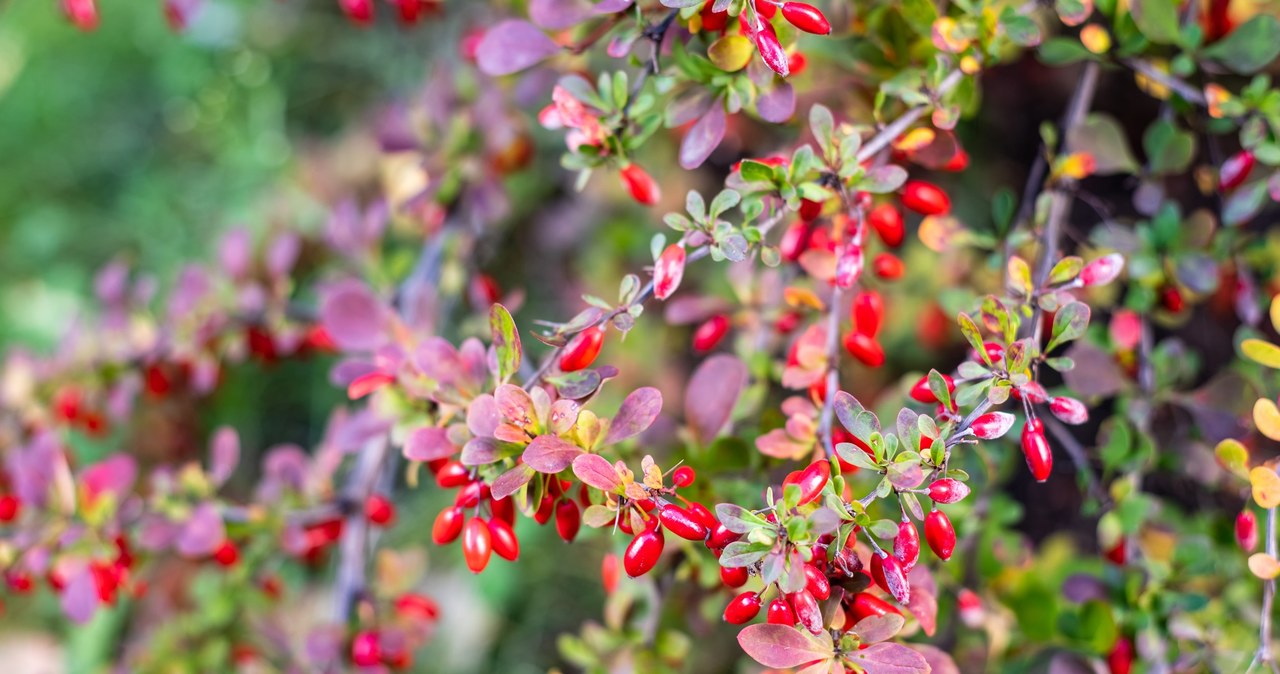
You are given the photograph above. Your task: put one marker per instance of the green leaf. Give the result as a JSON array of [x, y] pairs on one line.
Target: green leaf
[[756, 172], [971, 333], [1067, 269], [506, 342], [1248, 48], [823, 126], [1103, 138], [883, 179], [1169, 149], [1060, 51], [1069, 324], [1157, 19]]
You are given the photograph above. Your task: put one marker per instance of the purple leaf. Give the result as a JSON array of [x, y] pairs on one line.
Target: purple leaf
[[875, 628], [689, 108], [80, 597], [596, 471], [549, 454], [558, 14], [923, 604], [114, 475], [282, 254], [512, 46], [637, 414], [428, 444], [778, 104], [511, 481], [224, 454], [482, 416], [939, 661], [611, 6], [353, 316], [480, 452], [235, 252], [713, 391], [202, 533], [783, 646], [703, 137], [889, 658], [515, 406]]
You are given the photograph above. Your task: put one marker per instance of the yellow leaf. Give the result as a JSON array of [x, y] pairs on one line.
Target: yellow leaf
[[937, 231], [1150, 86], [1262, 353], [1264, 566], [1077, 165], [1266, 486], [802, 297], [1215, 95], [947, 36], [731, 53], [1020, 275], [1233, 456], [915, 139], [1267, 418], [1275, 312]]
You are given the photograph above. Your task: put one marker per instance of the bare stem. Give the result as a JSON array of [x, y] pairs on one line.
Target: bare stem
[[1078, 457], [897, 127], [353, 547]]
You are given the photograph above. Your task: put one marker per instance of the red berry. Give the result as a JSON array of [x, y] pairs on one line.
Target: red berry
[[925, 198], [736, 576], [416, 607], [940, 534], [1247, 530], [477, 545], [797, 62], [448, 525], [581, 351], [765, 8], [810, 210], [992, 425], [742, 608], [958, 161], [1069, 410], [1235, 170], [568, 520], [1032, 392], [609, 573], [1118, 554], [713, 21], [1036, 448], [503, 539], [683, 477], [709, 334], [643, 552], [866, 604], [668, 270], [682, 523], [453, 474], [811, 480], [83, 14], [379, 510], [1103, 270], [895, 578], [1120, 659], [227, 554], [868, 313], [471, 495], [366, 649], [410, 11], [10, 508], [1172, 299], [808, 613], [643, 188], [771, 51], [805, 17], [703, 515], [504, 510], [888, 267], [721, 537], [886, 219], [816, 582], [906, 545], [780, 613], [866, 349], [794, 242], [360, 12], [948, 490]]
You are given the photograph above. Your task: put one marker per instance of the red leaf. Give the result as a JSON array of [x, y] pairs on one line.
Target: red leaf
[[784, 646], [428, 444], [712, 393], [888, 658], [597, 472], [637, 414], [549, 454]]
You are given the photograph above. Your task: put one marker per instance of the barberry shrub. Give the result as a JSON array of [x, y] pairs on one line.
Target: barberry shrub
[[924, 421]]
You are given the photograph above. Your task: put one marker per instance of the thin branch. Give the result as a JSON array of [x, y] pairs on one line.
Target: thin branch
[[349, 583], [1060, 205], [1078, 457], [1189, 92], [897, 127]]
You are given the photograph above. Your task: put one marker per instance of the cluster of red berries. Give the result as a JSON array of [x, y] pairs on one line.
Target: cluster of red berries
[[110, 575], [481, 536], [408, 12], [394, 648]]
